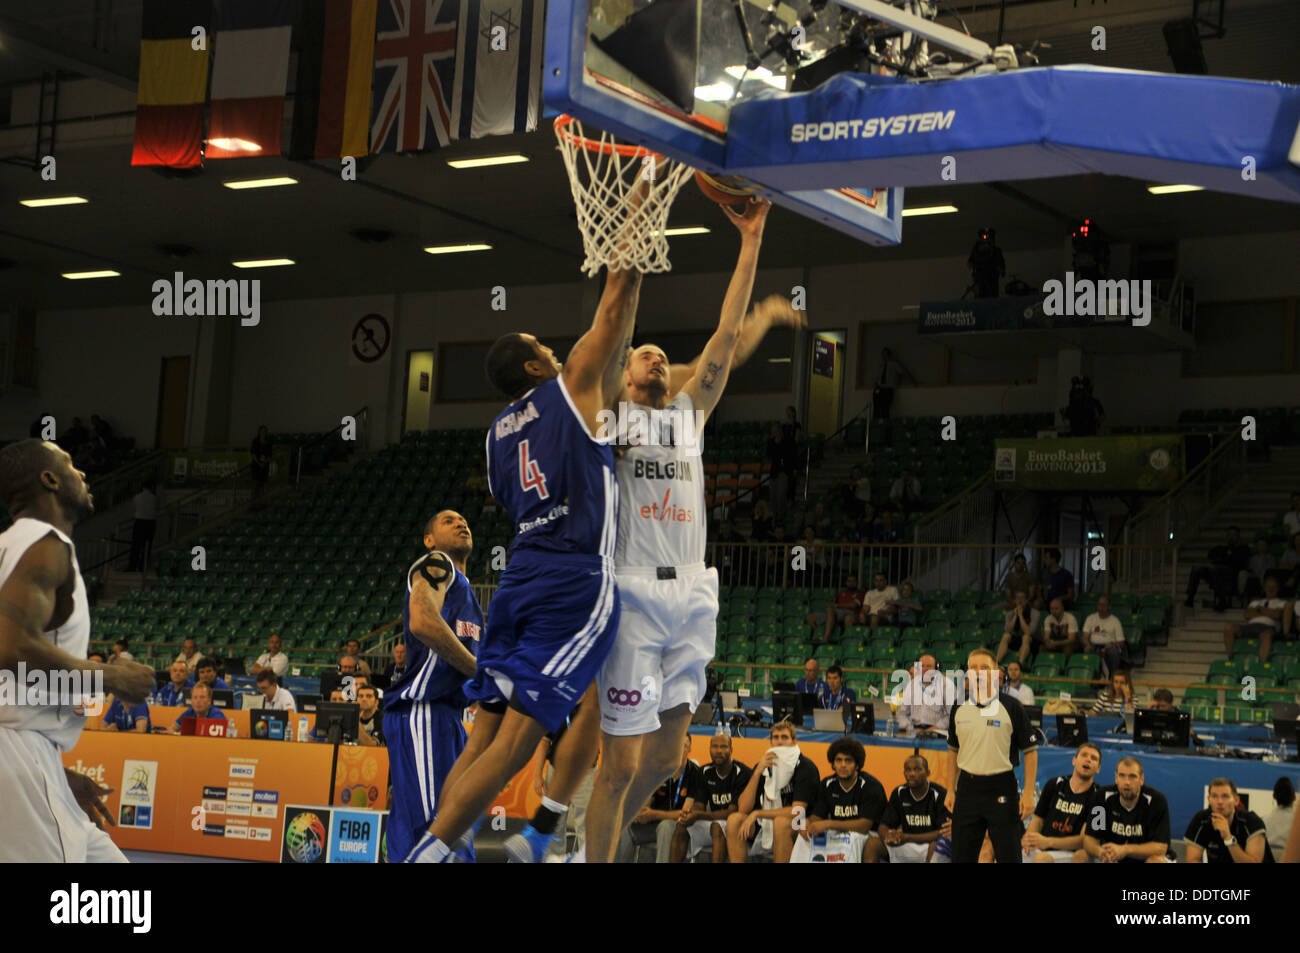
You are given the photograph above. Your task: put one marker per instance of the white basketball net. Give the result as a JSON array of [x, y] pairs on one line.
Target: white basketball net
[[623, 195]]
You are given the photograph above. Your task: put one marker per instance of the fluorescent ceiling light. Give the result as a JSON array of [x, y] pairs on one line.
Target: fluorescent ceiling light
[[778, 360], [54, 200], [486, 161], [1171, 189], [260, 183], [263, 263], [930, 210], [81, 275], [453, 249], [686, 230]]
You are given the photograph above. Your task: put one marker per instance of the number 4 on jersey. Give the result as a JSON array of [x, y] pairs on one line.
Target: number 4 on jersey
[[530, 475]]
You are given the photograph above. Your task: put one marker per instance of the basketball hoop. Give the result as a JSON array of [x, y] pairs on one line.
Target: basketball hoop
[[623, 194]]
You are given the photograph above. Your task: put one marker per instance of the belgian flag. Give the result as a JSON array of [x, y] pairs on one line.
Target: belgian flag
[[173, 84]]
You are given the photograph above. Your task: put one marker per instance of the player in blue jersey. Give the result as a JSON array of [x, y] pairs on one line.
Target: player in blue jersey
[[442, 623], [554, 616]]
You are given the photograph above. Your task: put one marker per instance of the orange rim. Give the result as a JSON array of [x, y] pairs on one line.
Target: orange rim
[[591, 145]]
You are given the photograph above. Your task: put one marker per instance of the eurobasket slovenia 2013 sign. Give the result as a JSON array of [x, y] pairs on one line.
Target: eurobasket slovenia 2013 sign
[[1150, 463]]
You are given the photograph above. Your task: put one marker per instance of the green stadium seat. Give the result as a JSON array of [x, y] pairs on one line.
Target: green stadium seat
[[937, 631]]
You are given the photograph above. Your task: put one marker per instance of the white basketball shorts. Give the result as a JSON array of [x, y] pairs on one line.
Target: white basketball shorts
[[666, 638], [40, 821]]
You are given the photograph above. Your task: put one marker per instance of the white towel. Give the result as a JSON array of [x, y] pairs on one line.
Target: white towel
[[778, 776]]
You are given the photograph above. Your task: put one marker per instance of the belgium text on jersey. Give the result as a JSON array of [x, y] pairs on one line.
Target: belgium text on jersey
[[636, 426], [213, 298], [38, 688], [1084, 297], [75, 906]]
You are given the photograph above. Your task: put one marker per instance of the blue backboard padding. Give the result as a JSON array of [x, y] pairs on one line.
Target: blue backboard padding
[[1022, 125]]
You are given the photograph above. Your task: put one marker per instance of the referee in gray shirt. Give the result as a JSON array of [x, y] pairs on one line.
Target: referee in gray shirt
[[986, 735]]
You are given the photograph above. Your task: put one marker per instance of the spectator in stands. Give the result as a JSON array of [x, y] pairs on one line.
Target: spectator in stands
[[1291, 519], [1116, 698], [96, 656], [761, 522], [876, 610], [120, 717], [272, 658], [1103, 633], [1020, 578], [260, 468], [1060, 630], [1084, 412], [821, 521], [720, 784], [868, 525], [783, 462], [781, 789], [370, 720], [887, 533], [907, 608], [275, 697], [206, 672], [658, 821], [1278, 823], [200, 706], [353, 648], [845, 610], [1021, 629], [849, 802], [1055, 833], [347, 665], [905, 494], [1226, 560], [814, 551], [812, 679], [143, 527], [189, 654], [397, 666], [1289, 565], [1162, 699], [791, 430], [913, 819], [837, 693], [1265, 617], [173, 693], [1224, 834], [1251, 582], [120, 653], [926, 701], [1013, 684], [1136, 819], [1060, 581]]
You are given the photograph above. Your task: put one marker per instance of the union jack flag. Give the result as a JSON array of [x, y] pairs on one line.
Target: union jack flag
[[415, 70]]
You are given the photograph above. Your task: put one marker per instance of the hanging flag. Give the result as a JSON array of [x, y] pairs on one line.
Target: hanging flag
[[173, 84], [336, 63], [250, 77], [498, 67], [415, 73]]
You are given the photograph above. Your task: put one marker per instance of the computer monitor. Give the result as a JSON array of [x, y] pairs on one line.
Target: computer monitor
[[268, 723], [1071, 730], [328, 682], [249, 701], [859, 718], [337, 721], [1286, 722], [783, 686], [730, 700], [1166, 728], [785, 707], [807, 704], [223, 698], [306, 702], [1034, 715]]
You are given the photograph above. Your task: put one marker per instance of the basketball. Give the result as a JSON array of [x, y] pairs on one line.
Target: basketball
[[723, 189]]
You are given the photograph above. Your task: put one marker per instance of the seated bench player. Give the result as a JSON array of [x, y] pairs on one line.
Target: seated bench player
[[1135, 819], [914, 819], [848, 807], [1056, 829], [783, 787], [719, 784]]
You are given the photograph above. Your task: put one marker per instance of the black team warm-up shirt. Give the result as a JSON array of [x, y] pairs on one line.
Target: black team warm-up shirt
[[672, 794], [912, 816], [714, 793], [1244, 825], [803, 785], [865, 799], [1148, 822], [1064, 813]]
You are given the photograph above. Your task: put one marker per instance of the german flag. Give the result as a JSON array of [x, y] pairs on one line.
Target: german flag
[[336, 63], [173, 84]]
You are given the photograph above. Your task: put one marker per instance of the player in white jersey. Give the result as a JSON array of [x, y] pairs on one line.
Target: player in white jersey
[[45, 625], [653, 679]]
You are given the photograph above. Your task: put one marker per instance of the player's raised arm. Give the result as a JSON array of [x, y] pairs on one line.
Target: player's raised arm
[[772, 312], [27, 605], [705, 387], [601, 353]]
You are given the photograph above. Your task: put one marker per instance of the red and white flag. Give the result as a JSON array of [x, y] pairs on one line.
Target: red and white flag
[[250, 77]]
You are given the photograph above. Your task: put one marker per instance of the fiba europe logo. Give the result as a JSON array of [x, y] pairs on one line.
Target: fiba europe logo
[[138, 782], [304, 837]]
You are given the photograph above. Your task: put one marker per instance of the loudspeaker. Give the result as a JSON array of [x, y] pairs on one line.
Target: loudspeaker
[[1183, 38]]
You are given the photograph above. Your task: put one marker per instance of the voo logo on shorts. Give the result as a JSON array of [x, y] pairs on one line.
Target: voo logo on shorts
[[618, 696]]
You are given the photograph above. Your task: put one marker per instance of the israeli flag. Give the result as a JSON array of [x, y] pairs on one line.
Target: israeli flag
[[498, 67]]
